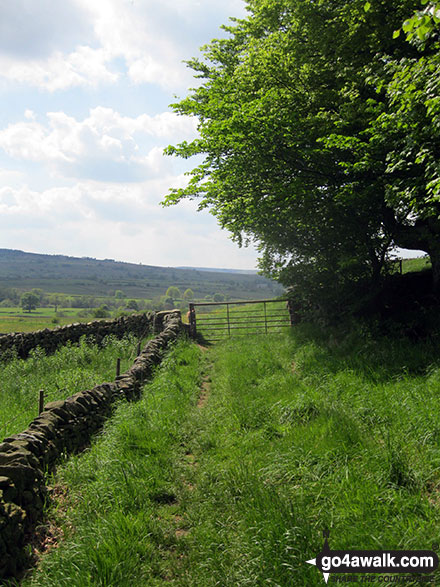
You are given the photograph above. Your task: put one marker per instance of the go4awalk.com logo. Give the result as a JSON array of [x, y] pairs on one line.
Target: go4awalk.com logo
[[373, 561]]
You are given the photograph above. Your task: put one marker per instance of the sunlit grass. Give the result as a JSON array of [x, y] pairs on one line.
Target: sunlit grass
[[300, 436], [119, 518], [417, 264]]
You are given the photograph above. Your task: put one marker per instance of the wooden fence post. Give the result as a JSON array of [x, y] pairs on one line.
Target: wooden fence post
[[192, 321], [41, 402], [118, 367]]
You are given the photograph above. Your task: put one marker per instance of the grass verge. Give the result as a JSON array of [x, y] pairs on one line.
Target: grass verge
[[302, 434]]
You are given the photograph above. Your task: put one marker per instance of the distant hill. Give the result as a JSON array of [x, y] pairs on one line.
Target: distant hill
[[88, 276], [216, 270]]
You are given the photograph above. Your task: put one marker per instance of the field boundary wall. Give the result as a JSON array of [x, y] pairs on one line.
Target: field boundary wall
[[49, 340], [64, 427]]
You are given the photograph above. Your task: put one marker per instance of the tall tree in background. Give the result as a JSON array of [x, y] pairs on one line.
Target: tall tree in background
[[188, 294], [173, 292], [302, 122]]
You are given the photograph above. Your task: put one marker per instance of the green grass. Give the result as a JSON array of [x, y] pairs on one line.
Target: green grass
[[74, 367], [299, 433], [409, 265]]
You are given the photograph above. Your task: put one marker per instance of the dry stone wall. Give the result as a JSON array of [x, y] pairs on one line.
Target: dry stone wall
[[63, 427], [50, 340]]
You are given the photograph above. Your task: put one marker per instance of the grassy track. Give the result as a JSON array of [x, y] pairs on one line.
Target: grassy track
[[295, 434], [72, 368]]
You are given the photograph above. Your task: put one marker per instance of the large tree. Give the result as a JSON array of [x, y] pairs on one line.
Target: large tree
[[29, 301], [296, 111]]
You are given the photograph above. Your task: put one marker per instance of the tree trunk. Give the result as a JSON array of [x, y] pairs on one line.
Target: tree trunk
[[434, 255]]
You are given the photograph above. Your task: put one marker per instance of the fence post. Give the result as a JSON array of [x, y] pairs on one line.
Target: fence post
[[139, 349], [118, 367], [41, 402], [229, 324], [400, 266], [192, 321]]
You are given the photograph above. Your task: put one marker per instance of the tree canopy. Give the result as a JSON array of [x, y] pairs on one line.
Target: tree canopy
[[188, 294], [319, 127], [173, 292], [29, 301]]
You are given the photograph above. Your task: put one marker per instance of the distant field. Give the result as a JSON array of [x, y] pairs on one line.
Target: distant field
[[410, 265], [16, 320]]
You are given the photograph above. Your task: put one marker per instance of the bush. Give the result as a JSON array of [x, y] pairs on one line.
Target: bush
[[101, 312], [132, 305]]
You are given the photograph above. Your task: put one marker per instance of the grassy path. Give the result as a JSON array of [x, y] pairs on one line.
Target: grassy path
[[237, 457]]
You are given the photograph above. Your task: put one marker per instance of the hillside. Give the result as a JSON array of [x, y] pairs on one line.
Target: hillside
[[72, 275]]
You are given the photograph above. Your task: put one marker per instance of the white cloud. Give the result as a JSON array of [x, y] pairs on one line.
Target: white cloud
[[83, 67], [56, 46], [10, 177], [104, 146], [90, 184], [51, 45], [136, 31], [123, 222], [32, 29]]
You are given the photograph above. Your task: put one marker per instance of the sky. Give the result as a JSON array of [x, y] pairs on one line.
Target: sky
[[85, 89]]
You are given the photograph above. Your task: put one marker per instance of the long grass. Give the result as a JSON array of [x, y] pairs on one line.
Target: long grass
[[300, 432], [301, 436], [72, 368]]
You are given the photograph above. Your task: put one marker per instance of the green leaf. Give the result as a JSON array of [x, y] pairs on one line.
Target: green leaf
[[367, 6], [409, 24], [422, 32], [396, 34]]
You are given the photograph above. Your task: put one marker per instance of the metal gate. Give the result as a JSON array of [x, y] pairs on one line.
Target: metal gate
[[219, 320]]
